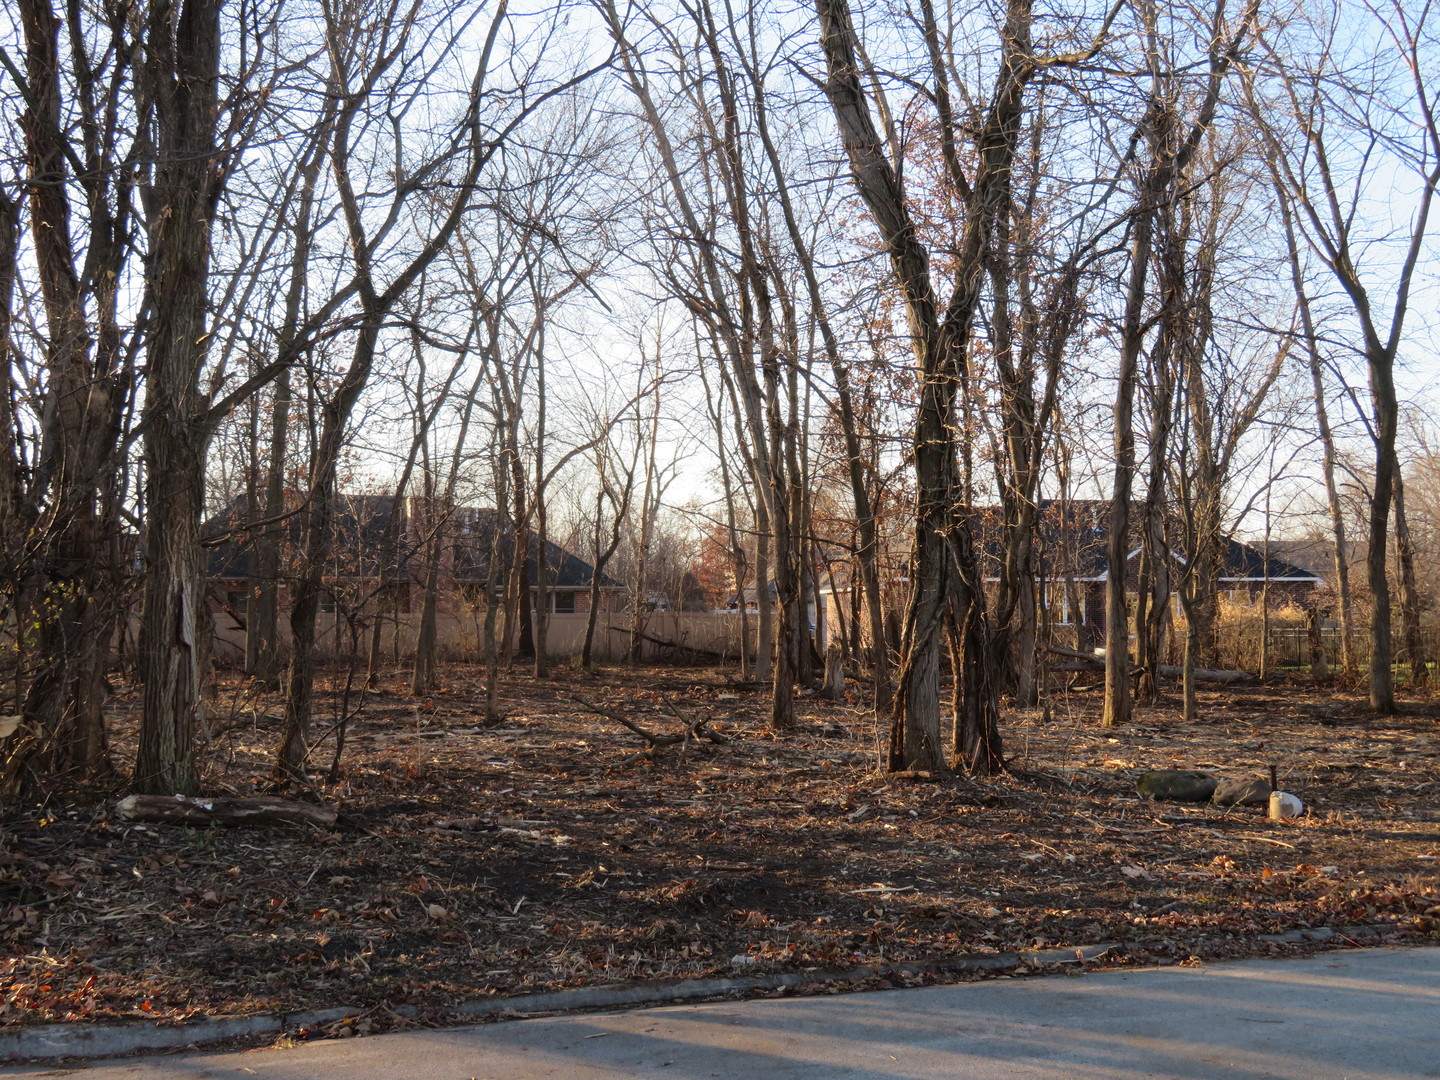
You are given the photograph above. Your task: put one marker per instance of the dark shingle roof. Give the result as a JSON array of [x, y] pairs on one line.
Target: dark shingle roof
[[360, 526], [1072, 539]]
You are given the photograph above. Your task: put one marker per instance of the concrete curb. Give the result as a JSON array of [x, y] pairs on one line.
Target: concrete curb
[[52, 1041]]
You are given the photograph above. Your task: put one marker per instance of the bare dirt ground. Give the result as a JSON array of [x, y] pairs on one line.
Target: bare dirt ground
[[553, 852]]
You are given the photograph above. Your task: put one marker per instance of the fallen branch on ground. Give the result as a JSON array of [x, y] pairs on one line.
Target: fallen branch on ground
[[693, 730], [697, 728], [696, 649], [189, 810], [1096, 662]]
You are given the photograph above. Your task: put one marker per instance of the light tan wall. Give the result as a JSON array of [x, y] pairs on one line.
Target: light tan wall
[[459, 635]]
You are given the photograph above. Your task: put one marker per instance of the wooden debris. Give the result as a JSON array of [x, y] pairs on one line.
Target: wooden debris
[[191, 810], [679, 646], [1177, 785], [1096, 662], [694, 729]]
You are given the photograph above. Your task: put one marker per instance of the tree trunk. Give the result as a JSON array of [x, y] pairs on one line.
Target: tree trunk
[[315, 546], [543, 570], [262, 629], [263, 657], [1409, 591], [184, 52], [55, 523], [1117, 703], [256, 810], [942, 546], [1316, 364], [1387, 415]]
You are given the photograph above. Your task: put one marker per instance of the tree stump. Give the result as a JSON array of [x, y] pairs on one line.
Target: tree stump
[[834, 689]]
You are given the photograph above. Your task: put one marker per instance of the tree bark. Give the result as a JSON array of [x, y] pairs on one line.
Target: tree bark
[[184, 54], [58, 525], [1409, 591]]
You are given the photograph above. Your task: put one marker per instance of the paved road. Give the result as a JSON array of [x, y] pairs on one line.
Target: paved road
[[1364, 1015]]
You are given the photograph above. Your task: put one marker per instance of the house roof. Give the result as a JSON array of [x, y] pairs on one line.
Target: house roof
[[1314, 554], [361, 524], [1246, 563], [1072, 537]]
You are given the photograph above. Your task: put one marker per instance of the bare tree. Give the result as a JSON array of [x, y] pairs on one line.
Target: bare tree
[[946, 590], [1342, 131], [1170, 143], [68, 390], [377, 60]]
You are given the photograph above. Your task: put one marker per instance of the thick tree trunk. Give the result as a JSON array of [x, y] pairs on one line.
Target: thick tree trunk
[[170, 643], [184, 51], [1387, 414], [942, 531], [55, 521]]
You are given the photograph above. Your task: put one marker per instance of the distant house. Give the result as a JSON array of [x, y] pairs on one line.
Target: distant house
[[1072, 566], [362, 534], [1316, 553], [817, 604]]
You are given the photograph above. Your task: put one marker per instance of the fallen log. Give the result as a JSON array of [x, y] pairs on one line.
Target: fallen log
[[191, 810], [696, 649], [1096, 662]]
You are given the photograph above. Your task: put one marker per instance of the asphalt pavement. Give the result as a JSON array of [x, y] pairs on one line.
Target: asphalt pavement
[[1360, 1015]]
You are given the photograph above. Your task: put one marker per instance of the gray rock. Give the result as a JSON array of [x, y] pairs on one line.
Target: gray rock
[[1240, 792], [1176, 785]]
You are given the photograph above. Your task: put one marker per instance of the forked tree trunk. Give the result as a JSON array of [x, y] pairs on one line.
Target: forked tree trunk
[[942, 545], [54, 519]]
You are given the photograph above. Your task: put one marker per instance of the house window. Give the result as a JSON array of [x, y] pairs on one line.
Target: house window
[[564, 602], [1062, 612]]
